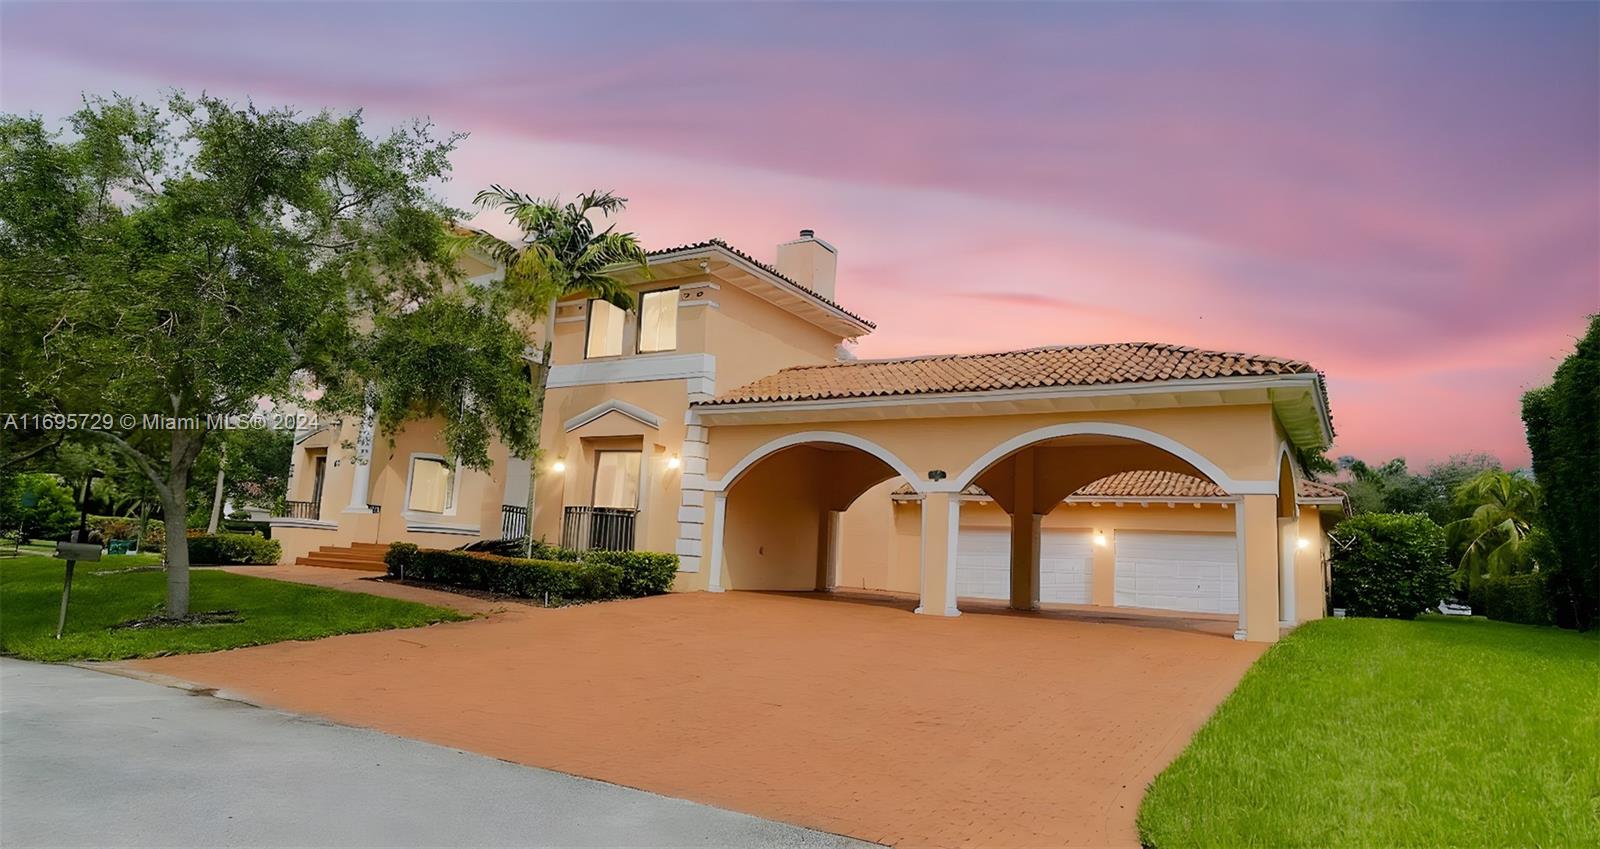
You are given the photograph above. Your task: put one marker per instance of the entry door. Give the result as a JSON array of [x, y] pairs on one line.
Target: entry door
[[319, 472], [1198, 573], [983, 564]]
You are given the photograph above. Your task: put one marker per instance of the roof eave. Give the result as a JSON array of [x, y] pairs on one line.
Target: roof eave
[[819, 312]]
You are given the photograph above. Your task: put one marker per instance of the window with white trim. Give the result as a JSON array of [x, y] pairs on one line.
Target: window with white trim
[[605, 330], [433, 486], [616, 479], [658, 321]]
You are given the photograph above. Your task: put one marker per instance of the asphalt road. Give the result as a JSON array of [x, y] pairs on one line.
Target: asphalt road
[[92, 759]]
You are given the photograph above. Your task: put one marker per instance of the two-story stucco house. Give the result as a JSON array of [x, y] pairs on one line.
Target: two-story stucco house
[[725, 421]]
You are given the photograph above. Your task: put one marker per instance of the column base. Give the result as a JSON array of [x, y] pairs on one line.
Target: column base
[[949, 611], [1240, 635], [713, 589]]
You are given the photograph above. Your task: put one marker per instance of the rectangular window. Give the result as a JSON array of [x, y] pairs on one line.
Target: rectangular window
[[605, 330], [433, 485], [616, 479], [658, 321]]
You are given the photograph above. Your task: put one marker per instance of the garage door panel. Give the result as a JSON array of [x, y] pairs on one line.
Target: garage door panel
[[983, 565], [1175, 571]]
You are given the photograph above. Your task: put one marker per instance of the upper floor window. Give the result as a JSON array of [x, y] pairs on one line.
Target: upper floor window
[[433, 485], [605, 330], [658, 321]]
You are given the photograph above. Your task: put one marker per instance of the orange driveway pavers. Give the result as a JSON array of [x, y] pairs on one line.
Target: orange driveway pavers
[[852, 717]]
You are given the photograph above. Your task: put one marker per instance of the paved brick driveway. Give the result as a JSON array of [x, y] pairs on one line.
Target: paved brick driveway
[[857, 718]]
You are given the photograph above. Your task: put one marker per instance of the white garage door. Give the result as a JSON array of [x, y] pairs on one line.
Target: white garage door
[[983, 564], [1195, 572]]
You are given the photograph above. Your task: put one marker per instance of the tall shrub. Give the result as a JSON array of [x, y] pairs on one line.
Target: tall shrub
[[1563, 424], [1389, 565]]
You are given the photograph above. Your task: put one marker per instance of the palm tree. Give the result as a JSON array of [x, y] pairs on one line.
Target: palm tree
[[1500, 509], [561, 254]]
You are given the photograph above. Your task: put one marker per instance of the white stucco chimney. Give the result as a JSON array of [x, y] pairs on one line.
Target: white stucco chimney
[[810, 262]]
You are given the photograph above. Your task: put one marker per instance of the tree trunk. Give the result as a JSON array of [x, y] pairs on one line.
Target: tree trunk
[[216, 497], [144, 524], [176, 521], [540, 381], [186, 447]]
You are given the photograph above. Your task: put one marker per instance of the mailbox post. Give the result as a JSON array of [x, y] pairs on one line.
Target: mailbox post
[[78, 549]]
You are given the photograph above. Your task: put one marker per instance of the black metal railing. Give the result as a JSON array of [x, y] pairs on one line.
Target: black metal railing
[[513, 522], [603, 528], [302, 509]]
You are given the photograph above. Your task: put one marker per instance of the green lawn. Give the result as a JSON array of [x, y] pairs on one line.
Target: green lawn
[[1365, 732], [269, 611]]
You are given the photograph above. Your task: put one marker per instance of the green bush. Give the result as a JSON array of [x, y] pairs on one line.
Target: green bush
[[545, 551], [233, 549], [114, 527], [643, 572], [1389, 565], [560, 581], [40, 506], [400, 559], [1565, 442], [1518, 598]]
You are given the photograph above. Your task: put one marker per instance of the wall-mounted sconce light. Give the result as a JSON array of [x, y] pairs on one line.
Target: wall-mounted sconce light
[[1100, 539], [673, 462], [1302, 543], [558, 466], [936, 475]]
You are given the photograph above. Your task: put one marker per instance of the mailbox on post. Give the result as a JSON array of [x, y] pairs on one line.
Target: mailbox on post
[[70, 551], [79, 548]]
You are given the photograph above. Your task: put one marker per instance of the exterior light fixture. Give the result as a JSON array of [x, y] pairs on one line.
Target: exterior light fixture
[[673, 462], [558, 466], [1302, 543], [1100, 540]]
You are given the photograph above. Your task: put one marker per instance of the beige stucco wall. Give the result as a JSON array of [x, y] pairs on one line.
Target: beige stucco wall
[[1240, 440]]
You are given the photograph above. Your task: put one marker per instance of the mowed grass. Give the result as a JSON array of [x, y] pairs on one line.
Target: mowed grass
[[1365, 732], [269, 611]]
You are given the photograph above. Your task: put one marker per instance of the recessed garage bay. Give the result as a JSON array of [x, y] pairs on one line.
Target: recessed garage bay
[[1177, 571]]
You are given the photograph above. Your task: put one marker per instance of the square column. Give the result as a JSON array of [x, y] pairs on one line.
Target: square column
[[1025, 533], [941, 520], [1260, 542], [1025, 529]]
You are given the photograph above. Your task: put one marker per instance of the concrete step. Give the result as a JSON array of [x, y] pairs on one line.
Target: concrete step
[[363, 557]]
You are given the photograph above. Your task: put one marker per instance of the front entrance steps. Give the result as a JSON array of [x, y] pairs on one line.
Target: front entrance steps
[[361, 556]]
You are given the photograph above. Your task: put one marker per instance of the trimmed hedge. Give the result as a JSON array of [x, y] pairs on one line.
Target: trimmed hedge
[[233, 549], [1389, 565], [643, 572], [564, 574], [558, 581], [1518, 598]]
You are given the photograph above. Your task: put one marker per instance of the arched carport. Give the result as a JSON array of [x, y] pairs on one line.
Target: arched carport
[[777, 509], [782, 457]]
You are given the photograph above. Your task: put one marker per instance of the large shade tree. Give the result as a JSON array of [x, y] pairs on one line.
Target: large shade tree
[[189, 258], [562, 253], [1565, 440]]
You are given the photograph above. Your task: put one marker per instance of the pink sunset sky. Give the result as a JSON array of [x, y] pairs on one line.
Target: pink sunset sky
[[1407, 196]]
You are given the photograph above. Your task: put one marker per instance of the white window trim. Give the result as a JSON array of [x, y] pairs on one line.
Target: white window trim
[[455, 486]]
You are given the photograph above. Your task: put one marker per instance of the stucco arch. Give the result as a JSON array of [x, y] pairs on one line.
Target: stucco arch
[[814, 436], [1124, 431], [1289, 476]]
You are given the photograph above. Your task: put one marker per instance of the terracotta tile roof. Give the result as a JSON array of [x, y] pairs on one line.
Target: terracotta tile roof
[[1317, 489], [770, 269], [1150, 484], [1074, 365]]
